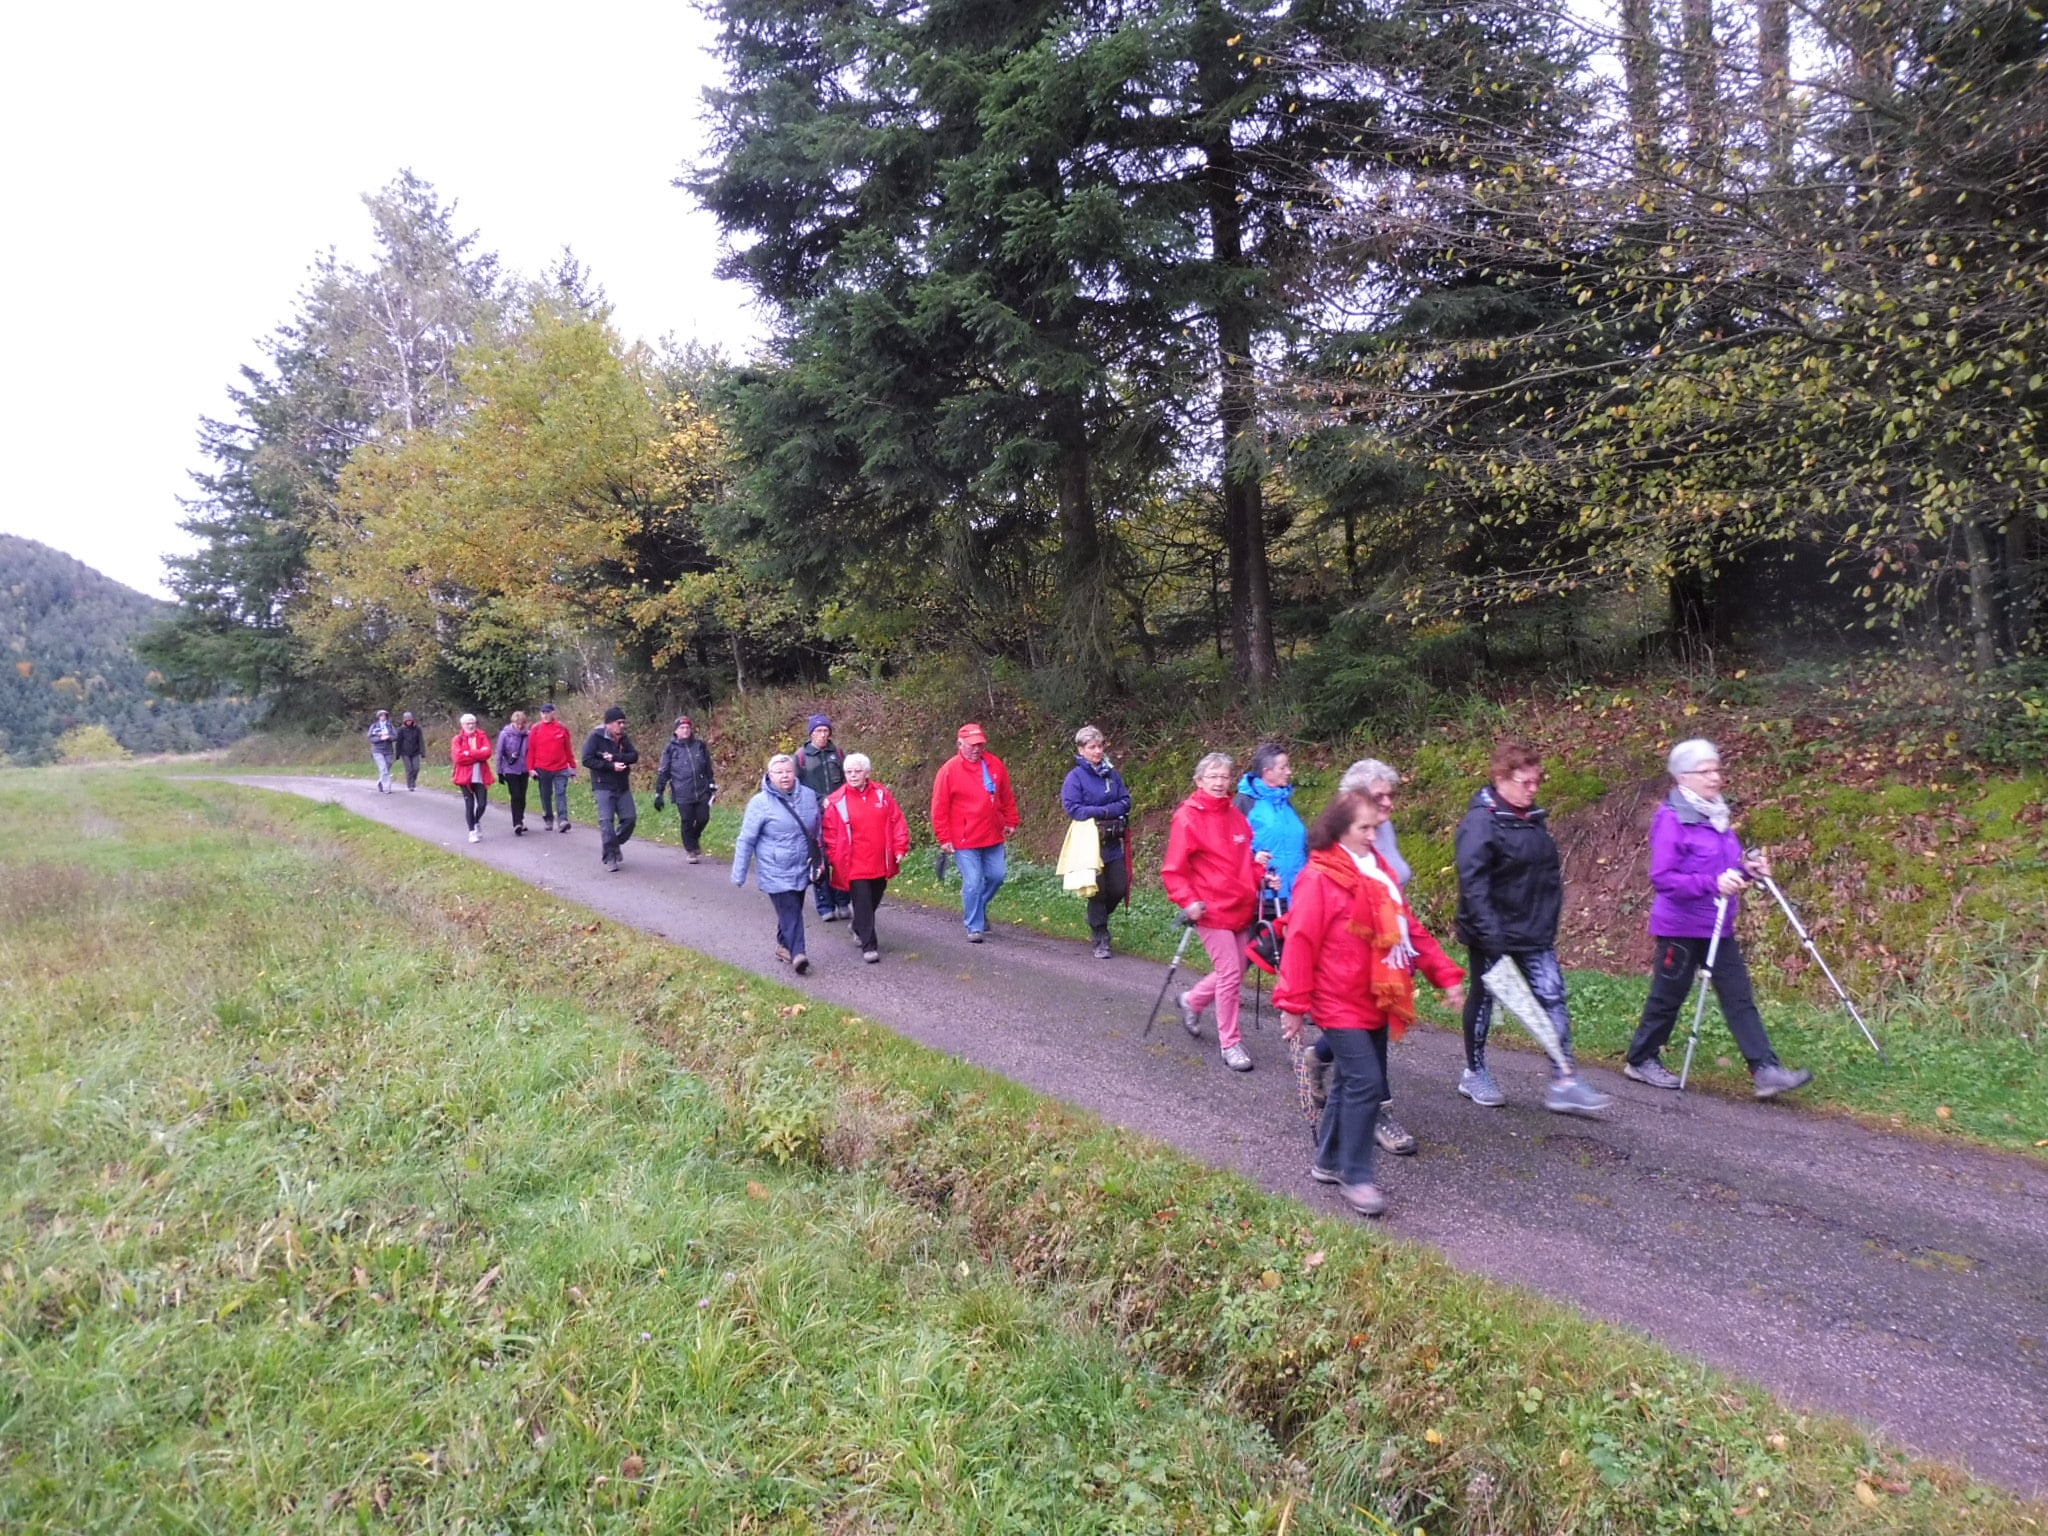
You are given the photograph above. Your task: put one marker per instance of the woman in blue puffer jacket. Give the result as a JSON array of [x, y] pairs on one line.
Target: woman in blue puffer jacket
[[779, 837], [1266, 796]]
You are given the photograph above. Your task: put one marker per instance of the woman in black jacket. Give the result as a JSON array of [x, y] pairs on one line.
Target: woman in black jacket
[[1510, 899], [686, 776]]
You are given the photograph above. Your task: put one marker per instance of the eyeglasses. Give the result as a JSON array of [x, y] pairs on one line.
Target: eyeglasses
[[1526, 780]]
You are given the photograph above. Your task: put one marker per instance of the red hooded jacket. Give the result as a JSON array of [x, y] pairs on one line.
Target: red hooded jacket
[[865, 833], [471, 753], [964, 813], [1209, 859], [1324, 970], [549, 748]]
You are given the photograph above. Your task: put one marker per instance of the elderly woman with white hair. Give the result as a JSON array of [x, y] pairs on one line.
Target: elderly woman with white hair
[[1211, 876], [470, 750], [866, 836], [779, 836], [1698, 869]]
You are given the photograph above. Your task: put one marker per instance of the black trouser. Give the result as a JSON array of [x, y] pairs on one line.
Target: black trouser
[[617, 815], [696, 817], [1111, 887], [1672, 977], [412, 770], [474, 798], [515, 788], [866, 896]]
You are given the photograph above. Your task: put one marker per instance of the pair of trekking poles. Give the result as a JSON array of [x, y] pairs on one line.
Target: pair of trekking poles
[[1713, 948]]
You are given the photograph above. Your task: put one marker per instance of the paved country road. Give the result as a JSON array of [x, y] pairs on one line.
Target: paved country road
[[1901, 1283]]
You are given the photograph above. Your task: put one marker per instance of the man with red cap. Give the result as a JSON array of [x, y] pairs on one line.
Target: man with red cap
[[973, 812]]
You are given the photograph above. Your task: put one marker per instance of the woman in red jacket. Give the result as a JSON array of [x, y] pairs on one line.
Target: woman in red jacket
[[866, 836], [1212, 877], [470, 750], [1353, 948]]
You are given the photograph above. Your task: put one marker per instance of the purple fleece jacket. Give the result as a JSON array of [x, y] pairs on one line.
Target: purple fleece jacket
[[1687, 857]]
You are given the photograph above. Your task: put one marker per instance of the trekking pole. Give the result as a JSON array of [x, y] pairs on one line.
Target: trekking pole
[[1699, 1011], [1187, 931], [1806, 938]]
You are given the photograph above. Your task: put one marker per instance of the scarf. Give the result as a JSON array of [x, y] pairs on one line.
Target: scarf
[[1379, 916], [1715, 810]]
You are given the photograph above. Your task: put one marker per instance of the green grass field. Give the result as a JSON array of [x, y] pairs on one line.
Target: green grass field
[[350, 1188]]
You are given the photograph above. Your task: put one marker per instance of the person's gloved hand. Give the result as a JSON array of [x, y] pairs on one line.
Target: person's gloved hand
[[657, 805]]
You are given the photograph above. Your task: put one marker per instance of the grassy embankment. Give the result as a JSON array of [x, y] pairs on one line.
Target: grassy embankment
[[1923, 875], [335, 1197]]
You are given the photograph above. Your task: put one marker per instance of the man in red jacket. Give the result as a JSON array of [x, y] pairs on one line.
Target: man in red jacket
[[973, 813], [551, 754], [866, 835]]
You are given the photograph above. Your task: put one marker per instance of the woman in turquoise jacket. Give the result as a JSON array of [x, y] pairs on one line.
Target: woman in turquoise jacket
[[1266, 796]]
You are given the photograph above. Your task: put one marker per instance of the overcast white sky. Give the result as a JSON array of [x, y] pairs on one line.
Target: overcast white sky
[[171, 171]]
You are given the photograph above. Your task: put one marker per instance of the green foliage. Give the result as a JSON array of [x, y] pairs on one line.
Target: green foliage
[[68, 663], [89, 744]]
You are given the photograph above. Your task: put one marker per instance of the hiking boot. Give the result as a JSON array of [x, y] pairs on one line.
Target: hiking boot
[[1574, 1096], [1236, 1058], [1102, 946], [547, 824], [801, 964], [872, 956], [1324, 1175], [1190, 1018], [1393, 1136], [1365, 1199], [1651, 1074], [1478, 1085], [519, 831], [781, 953], [475, 836], [1774, 1079]]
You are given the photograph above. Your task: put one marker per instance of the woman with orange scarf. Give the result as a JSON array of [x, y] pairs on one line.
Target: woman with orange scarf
[[1353, 948]]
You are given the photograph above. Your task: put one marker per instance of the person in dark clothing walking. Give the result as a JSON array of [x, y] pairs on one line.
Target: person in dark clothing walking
[[609, 754], [1510, 899], [412, 748], [1696, 861], [512, 768], [821, 768], [1094, 791], [686, 777]]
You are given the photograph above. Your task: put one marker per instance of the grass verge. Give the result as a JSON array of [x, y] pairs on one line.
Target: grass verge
[[424, 1197]]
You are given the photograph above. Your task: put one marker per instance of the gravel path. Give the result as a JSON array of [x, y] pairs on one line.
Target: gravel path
[[1896, 1281]]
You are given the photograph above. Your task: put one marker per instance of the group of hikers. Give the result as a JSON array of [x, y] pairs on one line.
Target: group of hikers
[[1323, 904]]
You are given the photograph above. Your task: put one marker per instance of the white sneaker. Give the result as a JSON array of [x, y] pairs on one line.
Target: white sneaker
[[476, 837], [1237, 1058]]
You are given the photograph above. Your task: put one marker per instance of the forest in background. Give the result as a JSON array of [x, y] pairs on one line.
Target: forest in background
[[71, 684], [1304, 356]]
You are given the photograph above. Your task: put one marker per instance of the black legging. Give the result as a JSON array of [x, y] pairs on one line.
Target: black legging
[[474, 798]]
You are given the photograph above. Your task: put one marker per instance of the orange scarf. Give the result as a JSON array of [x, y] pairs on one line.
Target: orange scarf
[[1376, 918]]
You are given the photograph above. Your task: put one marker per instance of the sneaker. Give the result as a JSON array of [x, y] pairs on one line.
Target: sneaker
[[1102, 946], [974, 936], [694, 858], [564, 826], [1652, 1074], [476, 837], [1393, 1136], [1324, 1175], [519, 831], [872, 956], [548, 824], [801, 964], [1574, 1096], [1236, 1058], [1480, 1088], [781, 954], [1774, 1079], [829, 915], [1190, 1018], [1365, 1199]]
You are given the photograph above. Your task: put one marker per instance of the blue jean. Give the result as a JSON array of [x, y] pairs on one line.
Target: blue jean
[[982, 871], [1358, 1088], [554, 794], [1546, 980], [828, 899], [383, 758]]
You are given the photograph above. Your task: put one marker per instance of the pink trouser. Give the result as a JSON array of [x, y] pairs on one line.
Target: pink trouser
[[1226, 976]]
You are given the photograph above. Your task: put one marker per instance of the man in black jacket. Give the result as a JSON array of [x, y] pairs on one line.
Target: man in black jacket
[[412, 746], [609, 754], [1510, 899], [821, 765], [687, 777]]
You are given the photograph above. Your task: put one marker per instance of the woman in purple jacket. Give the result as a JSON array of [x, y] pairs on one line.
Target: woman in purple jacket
[[1094, 791], [1695, 860]]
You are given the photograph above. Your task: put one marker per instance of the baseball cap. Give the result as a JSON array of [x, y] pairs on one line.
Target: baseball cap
[[972, 732], [547, 709]]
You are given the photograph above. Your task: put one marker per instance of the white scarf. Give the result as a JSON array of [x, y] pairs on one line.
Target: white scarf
[[1715, 810]]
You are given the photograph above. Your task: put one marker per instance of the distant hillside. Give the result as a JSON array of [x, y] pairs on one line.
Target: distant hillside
[[67, 658]]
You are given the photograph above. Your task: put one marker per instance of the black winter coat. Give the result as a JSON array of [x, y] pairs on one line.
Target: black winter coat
[[686, 772], [618, 773], [1510, 878], [823, 771], [412, 741]]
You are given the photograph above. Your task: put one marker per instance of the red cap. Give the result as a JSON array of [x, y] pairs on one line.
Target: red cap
[[972, 732]]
